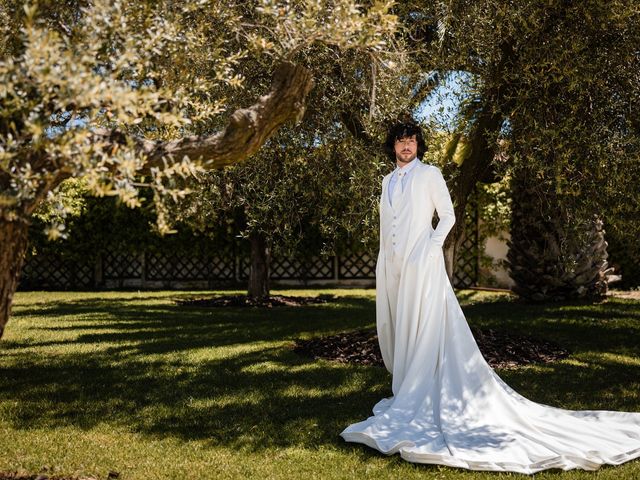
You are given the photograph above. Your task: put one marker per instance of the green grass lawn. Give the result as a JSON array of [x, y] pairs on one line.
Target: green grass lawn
[[129, 382]]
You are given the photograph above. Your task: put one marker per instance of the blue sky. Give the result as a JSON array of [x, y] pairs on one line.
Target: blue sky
[[442, 106]]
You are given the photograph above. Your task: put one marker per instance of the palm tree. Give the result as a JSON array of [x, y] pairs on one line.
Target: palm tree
[[554, 254]]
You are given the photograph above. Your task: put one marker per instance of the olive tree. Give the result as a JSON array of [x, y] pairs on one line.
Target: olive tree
[[129, 95]]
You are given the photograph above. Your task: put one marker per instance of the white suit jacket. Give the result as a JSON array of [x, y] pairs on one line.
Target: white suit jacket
[[425, 193]]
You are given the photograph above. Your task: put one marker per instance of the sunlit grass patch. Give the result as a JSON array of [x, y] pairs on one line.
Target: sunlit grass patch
[[132, 383]]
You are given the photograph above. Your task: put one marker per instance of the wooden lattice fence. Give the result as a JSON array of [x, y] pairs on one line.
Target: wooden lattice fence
[[361, 266], [52, 272], [314, 268], [153, 269], [467, 267]]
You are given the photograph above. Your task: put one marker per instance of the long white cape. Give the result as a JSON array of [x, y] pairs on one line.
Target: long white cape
[[449, 406]]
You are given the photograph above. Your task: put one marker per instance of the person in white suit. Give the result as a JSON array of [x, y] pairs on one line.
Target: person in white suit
[[448, 406], [410, 195]]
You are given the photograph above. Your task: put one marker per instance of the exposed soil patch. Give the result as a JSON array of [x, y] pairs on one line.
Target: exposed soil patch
[[500, 349], [244, 301]]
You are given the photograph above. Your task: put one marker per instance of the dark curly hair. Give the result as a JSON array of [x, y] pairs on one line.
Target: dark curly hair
[[401, 130]]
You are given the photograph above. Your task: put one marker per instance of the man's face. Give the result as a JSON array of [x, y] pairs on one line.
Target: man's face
[[406, 149]]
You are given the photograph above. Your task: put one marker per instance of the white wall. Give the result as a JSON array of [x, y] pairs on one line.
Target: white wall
[[496, 275]]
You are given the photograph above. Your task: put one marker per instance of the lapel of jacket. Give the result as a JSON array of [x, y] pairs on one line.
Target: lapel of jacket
[[385, 188]]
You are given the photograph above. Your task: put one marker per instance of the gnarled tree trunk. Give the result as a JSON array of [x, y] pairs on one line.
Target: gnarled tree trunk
[[14, 241], [259, 272]]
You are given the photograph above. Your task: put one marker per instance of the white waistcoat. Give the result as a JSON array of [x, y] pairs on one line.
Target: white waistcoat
[[411, 217], [395, 222]]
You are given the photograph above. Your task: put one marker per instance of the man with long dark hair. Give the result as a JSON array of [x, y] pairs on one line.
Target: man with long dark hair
[[410, 194]]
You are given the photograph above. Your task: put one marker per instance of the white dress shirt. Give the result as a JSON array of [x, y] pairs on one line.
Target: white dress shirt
[[406, 170]]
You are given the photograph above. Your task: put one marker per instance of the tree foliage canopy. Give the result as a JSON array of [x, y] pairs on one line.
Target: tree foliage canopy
[[110, 90]]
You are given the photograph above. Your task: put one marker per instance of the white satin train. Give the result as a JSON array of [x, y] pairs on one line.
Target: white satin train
[[450, 407]]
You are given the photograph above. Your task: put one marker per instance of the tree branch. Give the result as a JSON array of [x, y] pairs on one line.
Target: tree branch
[[248, 128], [354, 125]]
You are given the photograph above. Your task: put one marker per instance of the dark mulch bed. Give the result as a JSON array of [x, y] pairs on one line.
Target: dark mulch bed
[[500, 349], [244, 301]]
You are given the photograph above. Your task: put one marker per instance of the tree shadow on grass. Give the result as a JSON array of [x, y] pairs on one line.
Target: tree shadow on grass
[[22, 306], [91, 304], [248, 389], [600, 384], [611, 325], [168, 328], [260, 399]]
